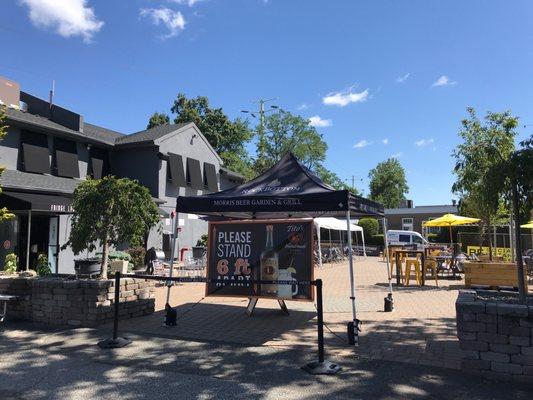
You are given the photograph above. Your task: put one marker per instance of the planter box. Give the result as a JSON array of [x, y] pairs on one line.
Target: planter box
[[119, 266], [491, 274]]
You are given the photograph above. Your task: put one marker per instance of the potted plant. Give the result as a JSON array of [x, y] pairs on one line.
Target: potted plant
[[198, 251], [43, 266], [119, 261], [87, 266], [11, 263]]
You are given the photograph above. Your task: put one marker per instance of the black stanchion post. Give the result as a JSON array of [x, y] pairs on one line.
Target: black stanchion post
[[115, 341], [320, 367], [320, 320]]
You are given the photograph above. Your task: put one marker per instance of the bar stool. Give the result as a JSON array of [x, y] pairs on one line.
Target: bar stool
[[409, 263], [431, 264]]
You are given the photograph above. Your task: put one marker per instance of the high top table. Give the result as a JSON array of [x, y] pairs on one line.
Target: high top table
[[409, 253]]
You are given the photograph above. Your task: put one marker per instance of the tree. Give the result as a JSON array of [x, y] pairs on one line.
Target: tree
[[4, 213], [158, 119], [284, 132], [388, 185], [227, 137], [110, 211], [486, 146], [370, 226], [287, 132]]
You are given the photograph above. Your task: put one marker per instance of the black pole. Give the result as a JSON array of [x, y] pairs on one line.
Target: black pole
[[518, 244], [117, 302], [320, 320], [320, 367], [115, 341]]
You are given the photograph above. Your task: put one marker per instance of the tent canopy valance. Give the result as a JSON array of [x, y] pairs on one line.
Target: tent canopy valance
[[335, 224], [288, 189]]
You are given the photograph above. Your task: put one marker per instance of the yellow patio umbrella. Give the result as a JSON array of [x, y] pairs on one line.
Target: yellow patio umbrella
[[528, 225], [450, 220]]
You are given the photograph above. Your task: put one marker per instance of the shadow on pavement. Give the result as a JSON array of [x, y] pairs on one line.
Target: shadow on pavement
[[67, 364]]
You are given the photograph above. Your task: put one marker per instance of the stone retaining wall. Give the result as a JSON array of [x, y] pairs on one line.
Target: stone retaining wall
[[60, 302], [496, 337]]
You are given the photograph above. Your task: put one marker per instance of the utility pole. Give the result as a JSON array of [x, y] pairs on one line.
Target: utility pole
[[261, 143]]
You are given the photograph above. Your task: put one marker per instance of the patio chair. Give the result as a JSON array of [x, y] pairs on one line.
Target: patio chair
[[432, 265], [409, 264]]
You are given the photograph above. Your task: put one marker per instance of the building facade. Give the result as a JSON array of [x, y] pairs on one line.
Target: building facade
[[49, 150], [411, 218]]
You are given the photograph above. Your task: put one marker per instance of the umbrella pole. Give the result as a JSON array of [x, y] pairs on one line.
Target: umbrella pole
[[451, 237]]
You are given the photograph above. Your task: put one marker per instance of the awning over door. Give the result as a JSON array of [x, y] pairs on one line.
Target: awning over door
[[17, 201]]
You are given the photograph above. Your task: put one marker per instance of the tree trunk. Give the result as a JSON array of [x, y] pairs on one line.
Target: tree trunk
[[490, 242], [105, 256]]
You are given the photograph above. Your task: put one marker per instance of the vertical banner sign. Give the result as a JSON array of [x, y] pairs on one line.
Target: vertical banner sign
[[276, 250]]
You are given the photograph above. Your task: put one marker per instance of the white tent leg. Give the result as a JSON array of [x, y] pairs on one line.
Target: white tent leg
[[173, 248], [386, 250], [352, 283], [363, 238]]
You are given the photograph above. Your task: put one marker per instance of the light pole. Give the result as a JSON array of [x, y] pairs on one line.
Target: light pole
[[261, 145]]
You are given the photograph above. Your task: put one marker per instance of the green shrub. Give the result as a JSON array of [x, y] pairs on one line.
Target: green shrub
[[137, 254], [433, 238], [370, 226], [202, 242], [43, 266], [11, 263], [376, 240], [117, 255]]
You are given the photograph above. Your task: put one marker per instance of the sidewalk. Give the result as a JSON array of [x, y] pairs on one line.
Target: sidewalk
[[421, 329], [68, 365]]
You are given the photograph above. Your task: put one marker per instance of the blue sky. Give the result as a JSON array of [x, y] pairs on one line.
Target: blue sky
[[390, 78]]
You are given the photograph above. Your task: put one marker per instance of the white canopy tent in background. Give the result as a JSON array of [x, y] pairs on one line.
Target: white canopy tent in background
[[337, 225]]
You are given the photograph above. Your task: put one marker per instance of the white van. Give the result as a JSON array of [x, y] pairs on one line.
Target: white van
[[399, 238]]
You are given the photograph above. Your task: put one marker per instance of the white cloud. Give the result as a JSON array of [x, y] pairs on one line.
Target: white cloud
[[397, 155], [190, 3], [345, 97], [424, 142], [318, 122], [402, 79], [443, 81], [385, 141], [67, 17], [302, 107], [172, 20], [362, 143]]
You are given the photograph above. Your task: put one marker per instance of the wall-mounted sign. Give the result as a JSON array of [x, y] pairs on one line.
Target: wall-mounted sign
[[268, 250], [61, 208]]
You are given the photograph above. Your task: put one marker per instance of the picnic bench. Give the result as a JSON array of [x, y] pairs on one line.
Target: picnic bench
[[6, 298]]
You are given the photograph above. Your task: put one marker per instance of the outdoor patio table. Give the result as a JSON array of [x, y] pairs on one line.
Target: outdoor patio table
[[408, 253]]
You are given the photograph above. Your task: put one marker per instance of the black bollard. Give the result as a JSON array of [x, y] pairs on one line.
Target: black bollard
[[389, 303], [321, 367], [115, 341]]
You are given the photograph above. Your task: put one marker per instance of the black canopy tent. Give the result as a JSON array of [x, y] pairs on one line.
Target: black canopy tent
[[287, 190]]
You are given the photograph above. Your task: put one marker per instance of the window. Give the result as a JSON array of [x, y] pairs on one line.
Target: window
[[210, 177], [417, 240], [99, 165], [36, 157], [405, 238], [432, 229], [66, 158], [407, 224], [175, 172], [194, 174]]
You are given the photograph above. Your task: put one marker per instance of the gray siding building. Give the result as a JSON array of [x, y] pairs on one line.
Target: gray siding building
[[411, 218], [49, 150]]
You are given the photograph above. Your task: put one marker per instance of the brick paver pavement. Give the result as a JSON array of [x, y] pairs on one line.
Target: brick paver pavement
[[420, 330]]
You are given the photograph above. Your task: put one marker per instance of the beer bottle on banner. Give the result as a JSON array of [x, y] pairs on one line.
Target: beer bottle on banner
[[269, 264]]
